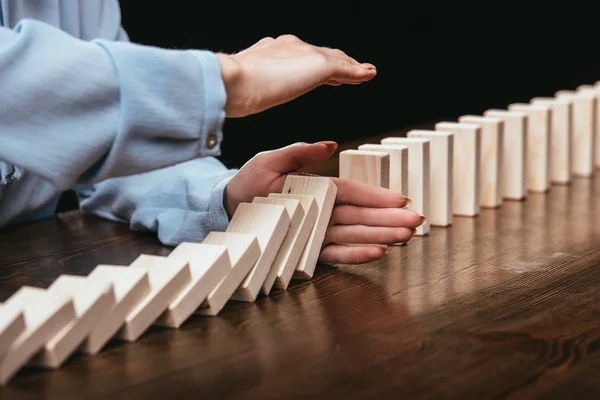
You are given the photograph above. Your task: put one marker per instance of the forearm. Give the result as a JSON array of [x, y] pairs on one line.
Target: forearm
[[180, 203], [82, 112]]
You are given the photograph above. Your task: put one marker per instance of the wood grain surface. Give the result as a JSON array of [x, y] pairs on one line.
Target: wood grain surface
[[505, 305]]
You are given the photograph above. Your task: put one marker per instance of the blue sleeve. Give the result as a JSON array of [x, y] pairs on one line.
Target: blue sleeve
[[181, 203], [76, 111]]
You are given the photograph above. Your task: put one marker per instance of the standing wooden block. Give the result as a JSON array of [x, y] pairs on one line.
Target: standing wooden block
[[209, 264], [561, 137], [440, 174], [538, 145], [131, 286], [295, 241], [12, 325], [168, 278], [514, 153], [92, 301], [466, 178], [597, 137], [492, 160], [270, 223], [243, 253], [324, 191], [584, 111], [369, 167], [46, 314], [398, 176], [418, 175]]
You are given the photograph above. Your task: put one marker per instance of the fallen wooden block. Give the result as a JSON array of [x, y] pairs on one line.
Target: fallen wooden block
[[514, 169], [440, 174], [12, 325], [418, 175], [243, 252], [92, 300], [45, 315], [131, 286], [466, 178], [168, 278], [270, 223], [369, 167], [492, 160], [324, 191], [584, 110], [398, 164], [561, 137], [209, 264], [538, 146]]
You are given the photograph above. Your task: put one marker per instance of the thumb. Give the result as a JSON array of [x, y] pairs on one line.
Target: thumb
[[296, 156]]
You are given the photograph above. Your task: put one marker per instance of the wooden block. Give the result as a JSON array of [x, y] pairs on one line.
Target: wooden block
[[131, 286], [12, 325], [561, 137], [92, 300], [514, 153], [209, 264], [270, 223], [303, 212], [324, 191], [466, 178], [168, 279], [398, 154], [440, 174], [594, 90], [418, 175], [45, 315], [369, 167], [584, 110], [538, 145], [243, 251], [492, 160]]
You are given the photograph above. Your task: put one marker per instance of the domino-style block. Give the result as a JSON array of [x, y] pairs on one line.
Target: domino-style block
[[243, 252], [131, 286], [270, 223], [209, 264], [418, 175], [584, 111], [492, 158], [561, 137], [92, 301], [514, 153], [324, 191], [12, 325], [369, 167], [398, 154], [301, 224], [466, 178], [440, 174], [45, 315], [168, 278], [538, 145], [594, 90]]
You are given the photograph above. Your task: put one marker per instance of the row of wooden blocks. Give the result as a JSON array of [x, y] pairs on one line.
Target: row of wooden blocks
[[479, 161], [267, 243]]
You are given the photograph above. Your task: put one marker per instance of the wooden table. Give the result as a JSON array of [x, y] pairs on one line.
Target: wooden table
[[506, 305]]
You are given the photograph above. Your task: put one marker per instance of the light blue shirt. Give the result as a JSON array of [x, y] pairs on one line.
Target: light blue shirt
[[130, 127]]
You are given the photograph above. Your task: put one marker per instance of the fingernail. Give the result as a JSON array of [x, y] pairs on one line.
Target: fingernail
[[408, 201], [423, 218], [332, 146]]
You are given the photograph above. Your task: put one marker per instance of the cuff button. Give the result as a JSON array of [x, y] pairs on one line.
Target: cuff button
[[211, 141]]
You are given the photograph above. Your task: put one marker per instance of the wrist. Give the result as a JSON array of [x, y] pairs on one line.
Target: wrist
[[230, 69]]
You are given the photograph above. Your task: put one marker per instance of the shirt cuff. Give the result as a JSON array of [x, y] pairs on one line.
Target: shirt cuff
[[219, 220], [215, 98]]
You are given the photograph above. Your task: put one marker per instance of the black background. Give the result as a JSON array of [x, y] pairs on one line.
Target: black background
[[435, 60]]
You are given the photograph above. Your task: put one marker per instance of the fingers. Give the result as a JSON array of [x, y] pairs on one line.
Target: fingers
[[295, 156], [360, 194], [386, 217], [345, 69], [343, 254], [362, 234]]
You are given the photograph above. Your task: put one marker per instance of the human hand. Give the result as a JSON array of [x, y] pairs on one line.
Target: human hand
[[276, 71], [364, 219]]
